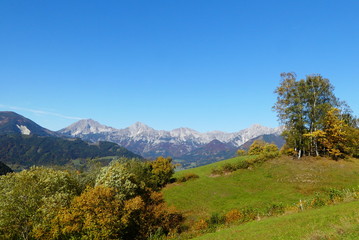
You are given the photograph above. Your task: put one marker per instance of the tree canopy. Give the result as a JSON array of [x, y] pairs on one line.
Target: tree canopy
[[314, 118], [123, 202]]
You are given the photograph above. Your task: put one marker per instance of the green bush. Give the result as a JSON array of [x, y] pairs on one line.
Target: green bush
[[216, 171], [242, 165], [187, 177], [228, 167], [317, 201], [275, 209], [216, 219], [336, 195], [249, 214]]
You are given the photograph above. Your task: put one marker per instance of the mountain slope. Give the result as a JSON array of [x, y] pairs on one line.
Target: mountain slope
[[211, 152], [13, 123], [25, 143], [4, 169], [28, 150], [329, 222], [283, 180], [269, 138], [179, 143]]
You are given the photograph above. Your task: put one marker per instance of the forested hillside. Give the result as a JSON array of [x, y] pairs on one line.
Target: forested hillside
[[4, 169], [28, 150]]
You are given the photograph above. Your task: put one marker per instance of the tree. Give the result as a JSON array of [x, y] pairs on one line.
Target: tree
[[95, 214], [25, 197], [119, 178], [302, 107], [241, 152], [353, 141], [290, 110], [162, 171], [99, 214], [335, 135]]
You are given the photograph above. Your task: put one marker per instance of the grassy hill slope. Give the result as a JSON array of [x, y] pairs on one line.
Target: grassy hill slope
[[329, 222], [282, 180]]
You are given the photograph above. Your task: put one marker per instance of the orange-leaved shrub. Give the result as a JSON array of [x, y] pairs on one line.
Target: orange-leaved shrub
[[233, 215]]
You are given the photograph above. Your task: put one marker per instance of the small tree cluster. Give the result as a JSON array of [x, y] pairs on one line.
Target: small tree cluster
[[316, 122]]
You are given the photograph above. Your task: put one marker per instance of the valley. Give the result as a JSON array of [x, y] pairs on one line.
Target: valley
[[212, 194]]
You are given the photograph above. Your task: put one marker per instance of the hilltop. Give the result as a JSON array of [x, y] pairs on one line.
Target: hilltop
[[281, 183]]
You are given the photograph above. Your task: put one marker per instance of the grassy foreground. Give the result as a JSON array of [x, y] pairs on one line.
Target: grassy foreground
[[329, 222], [282, 180]]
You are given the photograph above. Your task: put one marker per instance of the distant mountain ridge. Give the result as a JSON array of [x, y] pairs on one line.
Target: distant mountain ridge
[[178, 143], [24, 143], [188, 146], [13, 123]]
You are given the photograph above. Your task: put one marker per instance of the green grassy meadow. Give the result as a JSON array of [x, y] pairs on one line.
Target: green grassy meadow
[[283, 180], [329, 222]]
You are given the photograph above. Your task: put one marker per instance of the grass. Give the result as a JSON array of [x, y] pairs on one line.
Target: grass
[[329, 222], [281, 180]]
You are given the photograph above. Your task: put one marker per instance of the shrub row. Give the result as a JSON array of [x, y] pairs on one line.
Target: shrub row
[[231, 167], [244, 164], [186, 177], [332, 196]]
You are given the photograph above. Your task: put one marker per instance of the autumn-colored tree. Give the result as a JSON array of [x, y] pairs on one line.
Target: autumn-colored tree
[[99, 214], [95, 214], [30, 198], [270, 150], [302, 106], [162, 171], [335, 140], [159, 215], [257, 147], [241, 152], [353, 141]]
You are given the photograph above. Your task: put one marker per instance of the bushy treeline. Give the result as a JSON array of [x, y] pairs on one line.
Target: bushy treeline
[[316, 122], [121, 201], [261, 152], [40, 150]]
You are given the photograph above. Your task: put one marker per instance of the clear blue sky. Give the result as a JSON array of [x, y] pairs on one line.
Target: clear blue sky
[[207, 65]]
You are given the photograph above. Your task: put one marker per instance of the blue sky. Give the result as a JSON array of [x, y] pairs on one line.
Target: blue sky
[[207, 65]]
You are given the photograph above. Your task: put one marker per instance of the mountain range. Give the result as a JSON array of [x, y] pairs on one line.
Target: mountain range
[[193, 147], [24, 143], [187, 146]]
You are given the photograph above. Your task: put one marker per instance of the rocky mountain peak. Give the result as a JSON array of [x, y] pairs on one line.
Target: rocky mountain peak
[[11, 122], [139, 127], [184, 132], [86, 126]]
